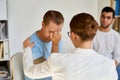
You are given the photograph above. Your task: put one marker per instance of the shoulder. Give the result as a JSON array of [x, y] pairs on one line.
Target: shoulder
[[34, 36], [105, 59], [97, 36], [115, 32], [37, 41], [116, 35]]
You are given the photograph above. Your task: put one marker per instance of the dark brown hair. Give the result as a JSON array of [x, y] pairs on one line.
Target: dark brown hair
[[108, 9], [84, 25], [54, 16]]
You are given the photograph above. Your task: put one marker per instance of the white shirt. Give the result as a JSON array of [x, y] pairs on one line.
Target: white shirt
[[107, 44], [82, 64]]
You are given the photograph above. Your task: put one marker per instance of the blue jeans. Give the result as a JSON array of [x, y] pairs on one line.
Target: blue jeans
[[48, 78], [118, 71]]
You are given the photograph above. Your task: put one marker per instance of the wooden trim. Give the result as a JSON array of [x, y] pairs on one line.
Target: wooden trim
[[111, 3]]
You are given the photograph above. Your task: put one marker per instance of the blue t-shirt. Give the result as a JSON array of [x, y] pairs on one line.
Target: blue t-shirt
[[41, 49]]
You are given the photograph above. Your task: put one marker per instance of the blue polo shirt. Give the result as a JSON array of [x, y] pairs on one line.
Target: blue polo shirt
[[41, 49]]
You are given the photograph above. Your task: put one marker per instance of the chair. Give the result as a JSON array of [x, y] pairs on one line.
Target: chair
[[17, 66]]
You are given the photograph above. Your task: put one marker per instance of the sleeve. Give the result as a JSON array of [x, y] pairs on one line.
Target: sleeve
[[35, 71], [116, 50], [37, 52], [113, 73], [37, 49]]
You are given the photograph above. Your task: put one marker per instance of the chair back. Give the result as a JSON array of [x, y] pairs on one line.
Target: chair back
[[17, 66]]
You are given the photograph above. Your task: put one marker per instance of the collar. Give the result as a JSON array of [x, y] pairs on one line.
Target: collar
[[83, 51]]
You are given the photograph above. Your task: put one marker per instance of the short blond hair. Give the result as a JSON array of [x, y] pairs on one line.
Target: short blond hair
[[54, 16]]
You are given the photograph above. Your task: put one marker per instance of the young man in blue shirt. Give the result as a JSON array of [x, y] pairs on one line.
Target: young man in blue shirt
[[52, 22]]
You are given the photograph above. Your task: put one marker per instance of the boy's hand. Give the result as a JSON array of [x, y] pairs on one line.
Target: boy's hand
[[55, 38]]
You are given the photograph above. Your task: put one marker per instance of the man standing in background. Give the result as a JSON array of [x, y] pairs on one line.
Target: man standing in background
[[107, 40], [52, 22]]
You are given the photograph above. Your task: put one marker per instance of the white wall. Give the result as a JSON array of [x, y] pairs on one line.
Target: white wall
[[25, 17]]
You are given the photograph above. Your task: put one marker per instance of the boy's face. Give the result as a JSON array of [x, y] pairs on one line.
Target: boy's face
[[106, 19], [51, 28]]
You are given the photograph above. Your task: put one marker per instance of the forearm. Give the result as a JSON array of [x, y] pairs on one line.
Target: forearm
[[30, 69], [39, 60], [116, 63], [55, 48]]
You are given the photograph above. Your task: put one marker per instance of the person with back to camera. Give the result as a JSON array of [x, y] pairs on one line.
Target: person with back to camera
[[83, 64]]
